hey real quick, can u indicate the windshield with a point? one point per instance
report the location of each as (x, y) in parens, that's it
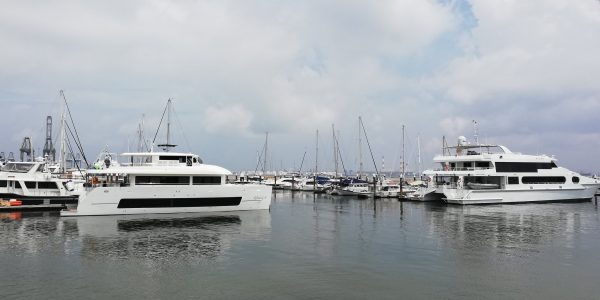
(18, 167)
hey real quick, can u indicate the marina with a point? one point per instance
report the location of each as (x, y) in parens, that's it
(300, 149)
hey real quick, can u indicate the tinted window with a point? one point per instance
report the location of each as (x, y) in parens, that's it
(3, 183)
(47, 185)
(575, 179)
(207, 180)
(162, 180)
(467, 164)
(544, 180)
(515, 167)
(513, 180)
(178, 202)
(177, 158)
(30, 184)
(17, 185)
(482, 164)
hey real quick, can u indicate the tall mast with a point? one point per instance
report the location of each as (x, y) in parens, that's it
(335, 156)
(317, 154)
(419, 162)
(360, 163)
(403, 173)
(266, 147)
(63, 134)
(168, 124)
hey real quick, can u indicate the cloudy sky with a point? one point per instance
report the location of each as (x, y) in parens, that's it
(527, 71)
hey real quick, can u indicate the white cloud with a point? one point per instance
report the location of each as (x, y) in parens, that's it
(228, 119)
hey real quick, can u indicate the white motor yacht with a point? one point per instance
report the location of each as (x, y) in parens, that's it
(166, 182)
(480, 174)
(34, 183)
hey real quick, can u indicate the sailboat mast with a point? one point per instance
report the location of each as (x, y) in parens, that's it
(317, 154)
(168, 125)
(335, 157)
(266, 149)
(403, 160)
(63, 134)
(360, 163)
(419, 154)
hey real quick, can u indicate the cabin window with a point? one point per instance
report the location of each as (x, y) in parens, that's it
(17, 185)
(30, 184)
(195, 160)
(575, 179)
(47, 185)
(207, 180)
(3, 183)
(543, 180)
(513, 180)
(467, 165)
(178, 202)
(181, 159)
(162, 180)
(523, 167)
(482, 164)
(452, 165)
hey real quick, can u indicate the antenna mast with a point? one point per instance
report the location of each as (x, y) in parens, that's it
(476, 130)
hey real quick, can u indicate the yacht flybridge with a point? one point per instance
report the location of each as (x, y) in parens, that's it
(480, 174)
(165, 182)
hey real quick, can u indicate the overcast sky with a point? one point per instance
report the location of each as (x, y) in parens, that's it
(527, 71)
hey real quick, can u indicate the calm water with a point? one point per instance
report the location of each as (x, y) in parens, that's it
(309, 247)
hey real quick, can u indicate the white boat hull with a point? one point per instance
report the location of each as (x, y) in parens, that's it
(210, 198)
(538, 194)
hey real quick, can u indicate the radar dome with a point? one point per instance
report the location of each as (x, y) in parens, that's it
(462, 141)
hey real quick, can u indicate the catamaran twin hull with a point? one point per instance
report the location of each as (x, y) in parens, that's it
(538, 194)
(171, 199)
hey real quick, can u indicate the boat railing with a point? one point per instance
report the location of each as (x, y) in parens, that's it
(465, 169)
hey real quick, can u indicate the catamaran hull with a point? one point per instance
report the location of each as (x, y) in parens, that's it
(171, 199)
(467, 197)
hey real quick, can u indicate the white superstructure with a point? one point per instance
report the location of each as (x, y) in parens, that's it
(166, 182)
(478, 174)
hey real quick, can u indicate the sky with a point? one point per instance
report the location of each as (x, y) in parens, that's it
(527, 71)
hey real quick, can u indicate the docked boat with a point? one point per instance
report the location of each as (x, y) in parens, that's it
(166, 182)
(34, 183)
(487, 173)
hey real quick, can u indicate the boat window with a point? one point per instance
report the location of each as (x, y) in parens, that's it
(513, 180)
(207, 180)
(516, 167)
(178, 202)
(482, 164)
(467, 164)
(3, 183)
(575, 179)
(162, 180)
(195, 160)
(17, 185)
(188, 161)
(30, 184)
(47, 185)
(18, 167)
(543, 179)
(181, 159)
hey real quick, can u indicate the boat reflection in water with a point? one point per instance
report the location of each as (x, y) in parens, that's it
(195, 236)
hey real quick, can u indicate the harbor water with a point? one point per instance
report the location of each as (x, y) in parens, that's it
(308, 247)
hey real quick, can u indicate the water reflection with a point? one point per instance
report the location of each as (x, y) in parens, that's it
(182, 237)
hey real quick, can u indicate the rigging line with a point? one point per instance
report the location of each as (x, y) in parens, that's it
(340, 154)
(369, 144)
(77, 140)
(259, 159)
(73, 156)
(187, 142)
(160, 123)
(78, 146)
(302, 163)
